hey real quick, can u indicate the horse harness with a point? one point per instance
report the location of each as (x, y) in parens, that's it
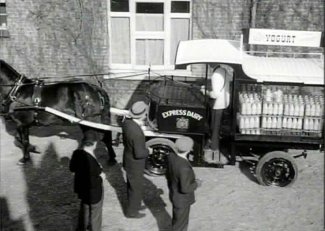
(12, 93)
(36, 97)
(82, 110)
(83, 107)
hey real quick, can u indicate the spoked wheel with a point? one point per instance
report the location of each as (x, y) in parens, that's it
(156, 163)
(276, 168)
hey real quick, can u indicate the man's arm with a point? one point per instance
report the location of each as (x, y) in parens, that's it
(187, 180)
(72, 164)
(139, 146)
(217, 83)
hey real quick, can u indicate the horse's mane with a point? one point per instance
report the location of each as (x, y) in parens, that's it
(11, 73)
(9, 69)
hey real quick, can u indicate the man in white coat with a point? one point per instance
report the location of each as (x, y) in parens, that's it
(220, 93)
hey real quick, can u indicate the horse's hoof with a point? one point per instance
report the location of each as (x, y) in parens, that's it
(33, 148)
(23, 161)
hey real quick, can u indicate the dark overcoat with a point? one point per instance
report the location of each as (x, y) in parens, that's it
(88, 183)
(135, 151)
(181, 181)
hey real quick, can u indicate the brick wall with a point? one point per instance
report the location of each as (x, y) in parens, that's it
(56, 38)
(305, 15)
(221, 19)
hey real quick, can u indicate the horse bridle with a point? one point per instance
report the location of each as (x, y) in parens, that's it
(11, 97)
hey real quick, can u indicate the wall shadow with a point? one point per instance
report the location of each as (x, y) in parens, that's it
(6, 223)
(52, 202)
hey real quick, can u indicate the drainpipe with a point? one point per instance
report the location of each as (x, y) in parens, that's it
(253, 18)
(253, 13)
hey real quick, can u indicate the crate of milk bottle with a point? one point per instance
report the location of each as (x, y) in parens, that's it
(280, 110)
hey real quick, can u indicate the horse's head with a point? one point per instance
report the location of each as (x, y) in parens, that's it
(9, 78)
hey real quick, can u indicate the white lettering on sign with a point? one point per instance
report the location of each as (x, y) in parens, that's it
(187, 113)
(284, 37)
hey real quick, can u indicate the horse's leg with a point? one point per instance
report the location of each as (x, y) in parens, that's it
(107, 139)
(24, 134)
(20, 135)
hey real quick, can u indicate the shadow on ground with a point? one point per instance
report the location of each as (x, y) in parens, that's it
(156, 205)
(52, 203)
(8, 224)
(152, 195)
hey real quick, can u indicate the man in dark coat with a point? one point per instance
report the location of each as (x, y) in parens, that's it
(181, 183)
(88, 184)
(134, 157)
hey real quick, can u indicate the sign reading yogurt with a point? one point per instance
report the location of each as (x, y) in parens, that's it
(285, 37)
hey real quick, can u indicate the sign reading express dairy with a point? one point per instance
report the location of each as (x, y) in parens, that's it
(181, 119)
(176, 112)
(285, 37)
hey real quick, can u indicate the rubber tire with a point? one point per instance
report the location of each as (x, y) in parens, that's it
(157, 141)
(275, 155)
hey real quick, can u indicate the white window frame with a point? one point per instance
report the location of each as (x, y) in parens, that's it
(164, 35)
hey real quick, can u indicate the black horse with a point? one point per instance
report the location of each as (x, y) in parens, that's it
(23, 100)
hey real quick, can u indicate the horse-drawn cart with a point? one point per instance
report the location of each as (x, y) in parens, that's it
(277, 103)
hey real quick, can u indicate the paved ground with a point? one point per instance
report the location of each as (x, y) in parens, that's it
(39, 195)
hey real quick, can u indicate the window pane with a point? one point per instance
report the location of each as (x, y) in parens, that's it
(150, 8)
(3, 21)
(2, 8)
(179, 31)
(180, 7)
(120, 46)
(150, 52)
(149, 22)
(120, 5)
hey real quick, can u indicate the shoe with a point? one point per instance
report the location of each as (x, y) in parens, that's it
(136, 215)
(219, 158)
(224, 160)
(23, 161)
(207, 155)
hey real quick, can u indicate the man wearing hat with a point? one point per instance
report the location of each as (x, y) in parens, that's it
(181, 183)
(88, 183)
(134, 157)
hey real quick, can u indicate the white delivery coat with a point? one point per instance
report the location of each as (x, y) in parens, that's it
(220, 81)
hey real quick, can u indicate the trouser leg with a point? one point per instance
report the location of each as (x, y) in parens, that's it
(180, 218)
(134, 191)
(96, 212)
(216, 121)
(83, 218)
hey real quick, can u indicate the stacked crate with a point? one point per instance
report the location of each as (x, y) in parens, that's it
(280, 110)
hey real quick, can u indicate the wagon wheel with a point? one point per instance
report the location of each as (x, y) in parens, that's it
(156, 162)
(276, 168)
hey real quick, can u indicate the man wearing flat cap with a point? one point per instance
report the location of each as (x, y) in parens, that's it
(134, 157)
(181, 183)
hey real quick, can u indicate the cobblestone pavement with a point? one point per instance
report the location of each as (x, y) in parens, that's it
(39, 196)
